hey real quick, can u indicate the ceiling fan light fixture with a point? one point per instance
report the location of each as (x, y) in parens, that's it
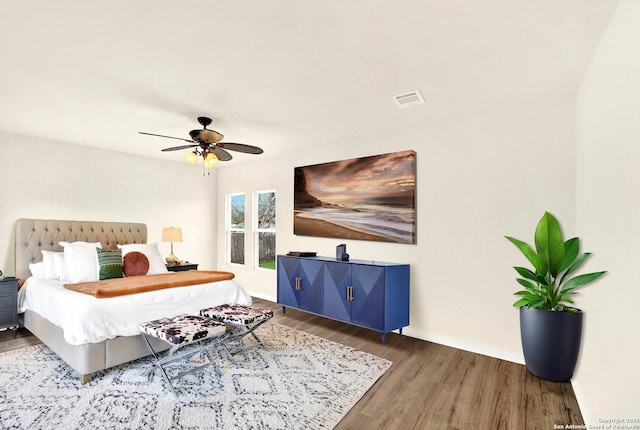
(191, 157)
(210, 160)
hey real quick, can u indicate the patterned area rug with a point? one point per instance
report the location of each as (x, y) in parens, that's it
(301, 382)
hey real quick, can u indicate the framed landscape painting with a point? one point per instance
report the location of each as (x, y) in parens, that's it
(367, 198)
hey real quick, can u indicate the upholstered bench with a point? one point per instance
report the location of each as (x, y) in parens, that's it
(181, 330)
(244, 320)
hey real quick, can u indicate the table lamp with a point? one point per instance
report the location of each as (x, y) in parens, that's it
(172, 234)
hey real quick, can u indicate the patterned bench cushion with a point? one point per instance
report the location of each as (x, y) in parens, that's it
(236, 314)
(183, 329)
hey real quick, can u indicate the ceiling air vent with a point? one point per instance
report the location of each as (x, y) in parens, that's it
(408, 99)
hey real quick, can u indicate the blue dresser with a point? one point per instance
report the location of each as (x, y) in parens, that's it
(368, 294)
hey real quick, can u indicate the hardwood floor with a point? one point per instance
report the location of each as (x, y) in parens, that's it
(429, 386)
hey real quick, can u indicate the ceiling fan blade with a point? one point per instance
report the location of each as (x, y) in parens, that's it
(240, 147)
(220, 153)
(168, 137)
(206, 136)
(176, 148)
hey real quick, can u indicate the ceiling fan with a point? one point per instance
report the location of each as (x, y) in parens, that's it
(205, 142)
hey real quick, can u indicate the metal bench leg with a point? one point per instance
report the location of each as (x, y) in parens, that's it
(158, 364)
(246, 330)
(169, 358)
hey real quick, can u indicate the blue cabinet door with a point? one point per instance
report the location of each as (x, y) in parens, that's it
(311, 291)
(288, 272)
(368, 296)
(337, 278)
(300, 283)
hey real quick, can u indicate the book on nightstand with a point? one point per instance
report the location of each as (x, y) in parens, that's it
(302, 254)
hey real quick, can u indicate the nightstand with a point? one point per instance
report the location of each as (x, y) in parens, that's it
(9, 304)
(183, 267)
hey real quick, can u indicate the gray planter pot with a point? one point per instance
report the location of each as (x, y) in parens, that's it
(550, 342)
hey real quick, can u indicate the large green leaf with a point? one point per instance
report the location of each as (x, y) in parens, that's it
(520, 303)
(540, 304)
(549, 243)
(526, 283)
(526, 273)
(574, 266)
(530, 254)
(566, 298)
(580, 280)
(528, 295)
(571, 249)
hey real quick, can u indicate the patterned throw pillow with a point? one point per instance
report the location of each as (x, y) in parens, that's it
(109, 263)
(135, 264)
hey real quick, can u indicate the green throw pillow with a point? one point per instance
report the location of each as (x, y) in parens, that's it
(110, 263)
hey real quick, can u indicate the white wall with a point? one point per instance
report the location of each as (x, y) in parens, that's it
(478, 179)
(608, 218)
(47, 179)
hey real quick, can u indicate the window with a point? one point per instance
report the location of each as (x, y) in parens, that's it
(235, 228)
(265, 230)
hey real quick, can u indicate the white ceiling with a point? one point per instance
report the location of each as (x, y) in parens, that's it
(279, 74)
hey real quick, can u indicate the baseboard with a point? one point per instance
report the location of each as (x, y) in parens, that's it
(466, 346)
(442, 340)
(264, 297)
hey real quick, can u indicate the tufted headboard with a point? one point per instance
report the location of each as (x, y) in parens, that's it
(34, 235)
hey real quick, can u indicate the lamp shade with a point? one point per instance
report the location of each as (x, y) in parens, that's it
(172, 234)
(210, 160)
(191, 157)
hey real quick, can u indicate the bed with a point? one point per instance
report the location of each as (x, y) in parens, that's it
(45, 306)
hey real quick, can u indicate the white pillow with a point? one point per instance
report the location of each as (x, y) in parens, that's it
(81, 261)
(37, 269)
(49, 265)
(60, 267)
(151, 251)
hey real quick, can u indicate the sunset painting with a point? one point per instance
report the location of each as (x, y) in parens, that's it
(367, 198)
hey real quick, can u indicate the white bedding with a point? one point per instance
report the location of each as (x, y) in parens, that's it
(86, 319)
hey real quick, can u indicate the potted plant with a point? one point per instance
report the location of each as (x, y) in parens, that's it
(550, 327)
